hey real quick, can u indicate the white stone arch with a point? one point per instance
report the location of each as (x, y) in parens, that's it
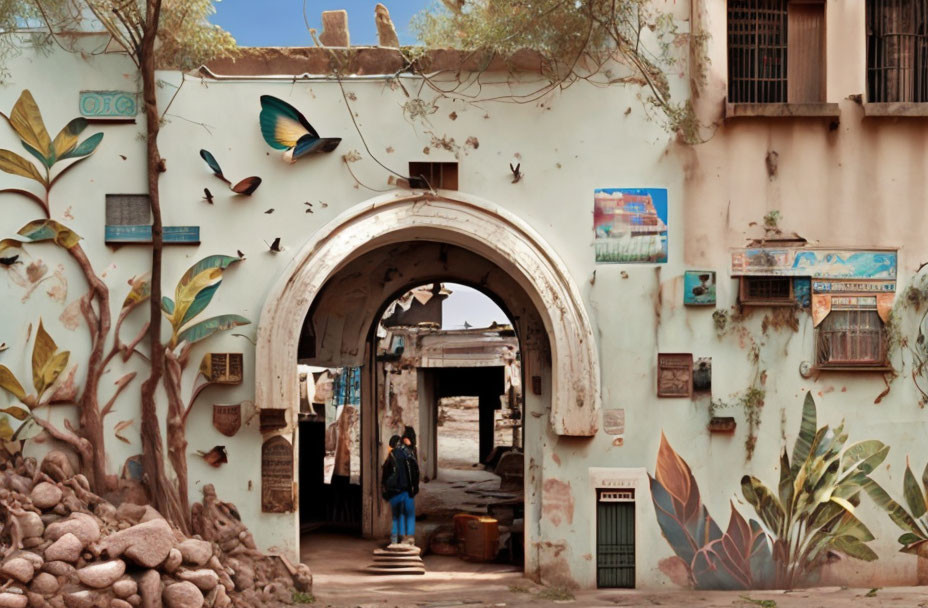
(454, 218)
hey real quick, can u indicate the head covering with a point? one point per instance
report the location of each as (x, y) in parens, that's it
(395, 440)
(410, 434)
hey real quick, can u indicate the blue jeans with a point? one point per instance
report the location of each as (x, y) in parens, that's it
(404, 516)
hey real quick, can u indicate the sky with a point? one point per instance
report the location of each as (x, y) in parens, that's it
(280, 22)
(468, 304)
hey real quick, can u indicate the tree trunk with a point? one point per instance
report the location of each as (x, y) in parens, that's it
(177, 433)
(163, 493)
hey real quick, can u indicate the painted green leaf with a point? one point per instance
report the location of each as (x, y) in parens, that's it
(914, 497)
(198, 277)
(47, 161)
(43, 230)
(925, 482)
(852, 547)
(807, 434)
(87, 147)
(764, 502)
(167, 306)
(20, 412)
(9, 383)
(11, 162)
(42, 352)
(26, 120)
(205, 329)
(66, 140)
(895, 511)
(785, 487)
(200, 302)
(908, 538)
(865, 456)
(30, 429)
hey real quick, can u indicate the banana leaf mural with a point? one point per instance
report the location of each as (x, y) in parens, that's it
(192, 295)
(913, 518)
(17, 422)
(811, 512)
(26, 121)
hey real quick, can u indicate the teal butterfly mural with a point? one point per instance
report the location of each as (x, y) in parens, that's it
(246, 187)
(285, 128)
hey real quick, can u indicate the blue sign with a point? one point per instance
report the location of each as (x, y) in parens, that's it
(172, 235)
(109, 104)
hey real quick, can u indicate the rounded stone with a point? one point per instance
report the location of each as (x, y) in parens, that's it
(81, 525)
(44, 583)
(45, 495)
(204, 579)
(196, 552)
(58, 568)
(31, 524)
(19, 569)
(172, 563)
(13, 600)
(102, 574)
(118, 603)
(125, 587)
(149, 589)
(66, 549)
(183, 595)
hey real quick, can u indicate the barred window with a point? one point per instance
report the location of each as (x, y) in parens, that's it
(776, 51)
(851, 338)
(766, 291)
(897, 50)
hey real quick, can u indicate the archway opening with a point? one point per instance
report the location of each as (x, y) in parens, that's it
(337, 286)
(451, 365)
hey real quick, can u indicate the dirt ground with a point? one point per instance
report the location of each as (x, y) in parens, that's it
(337, 563)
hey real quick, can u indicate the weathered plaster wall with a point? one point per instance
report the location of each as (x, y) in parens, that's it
(563, 155)
(861, 184)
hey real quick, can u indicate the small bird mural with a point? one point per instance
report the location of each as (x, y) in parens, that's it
(285, 128)
(246, 187)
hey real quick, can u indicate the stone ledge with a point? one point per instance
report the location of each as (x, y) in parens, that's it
(898, 109)
(254, 61)
(782, 110)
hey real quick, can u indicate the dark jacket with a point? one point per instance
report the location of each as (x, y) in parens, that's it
(400, 473)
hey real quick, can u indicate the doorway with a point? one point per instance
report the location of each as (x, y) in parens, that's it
(449, 368)
(335, 287)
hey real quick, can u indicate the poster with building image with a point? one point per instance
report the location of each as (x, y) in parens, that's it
(630, 225)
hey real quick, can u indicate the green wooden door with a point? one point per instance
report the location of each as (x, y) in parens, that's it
(615, 539)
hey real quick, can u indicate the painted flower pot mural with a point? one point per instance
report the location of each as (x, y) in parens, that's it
(811, 513)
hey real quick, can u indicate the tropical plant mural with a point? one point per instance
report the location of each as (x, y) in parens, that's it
(26, 121)
(811, 512)
(193, 293)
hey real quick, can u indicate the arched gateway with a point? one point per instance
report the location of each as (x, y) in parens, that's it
(564, 381)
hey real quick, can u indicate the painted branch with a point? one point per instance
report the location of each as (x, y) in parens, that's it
(91, 422)
(120, 385)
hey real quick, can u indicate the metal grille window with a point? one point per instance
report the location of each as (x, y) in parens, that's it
(897, 50)
(776, 51)
(851, 338)
(757, 31)
(766, 291)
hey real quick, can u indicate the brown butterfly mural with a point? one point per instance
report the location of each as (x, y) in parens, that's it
(245, 187)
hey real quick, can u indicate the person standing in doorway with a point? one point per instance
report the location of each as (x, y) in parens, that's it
(400, 483)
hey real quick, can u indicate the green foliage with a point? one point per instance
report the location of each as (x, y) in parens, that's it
(810, 512)
(603, 41)
(913, 518)
(556, 594)
(301, 597)
(761, 603)
(186, 39)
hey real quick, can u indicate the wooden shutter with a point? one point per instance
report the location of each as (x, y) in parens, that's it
(806, 47)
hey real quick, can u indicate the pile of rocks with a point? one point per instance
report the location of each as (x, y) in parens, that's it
(64, 547)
